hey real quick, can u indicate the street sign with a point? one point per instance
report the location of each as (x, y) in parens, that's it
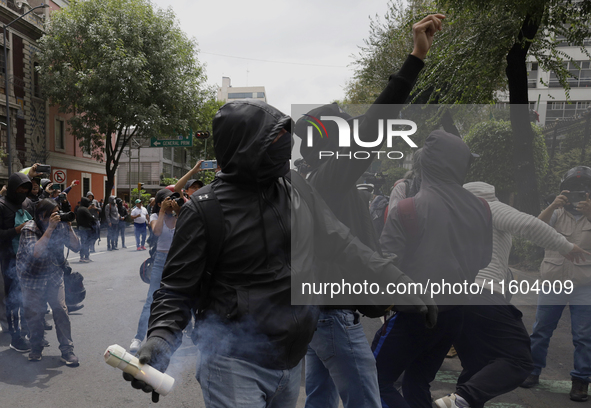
(178, 142)
(171, 142)
(59, 176)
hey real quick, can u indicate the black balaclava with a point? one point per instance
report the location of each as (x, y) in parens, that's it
(14, 182)
(275, 162)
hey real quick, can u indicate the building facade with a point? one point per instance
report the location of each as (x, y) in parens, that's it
(229, 93)
(39, 131)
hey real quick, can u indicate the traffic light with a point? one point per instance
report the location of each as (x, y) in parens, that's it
(202, 134)
(139, 187)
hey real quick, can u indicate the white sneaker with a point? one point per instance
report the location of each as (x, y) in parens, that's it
(135, 346)
(449, 401)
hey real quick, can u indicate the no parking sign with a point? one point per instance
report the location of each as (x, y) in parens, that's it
(59, 176)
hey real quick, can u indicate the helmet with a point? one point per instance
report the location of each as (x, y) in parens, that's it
(577, 179)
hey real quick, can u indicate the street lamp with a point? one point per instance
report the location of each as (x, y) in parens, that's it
(6, 83)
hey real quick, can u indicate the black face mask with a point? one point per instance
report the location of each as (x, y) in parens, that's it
(276, 159)
(20, 197)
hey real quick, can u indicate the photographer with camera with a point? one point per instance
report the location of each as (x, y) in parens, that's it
(40, 270)
(570, 215)
(163, 223)
(85, 221)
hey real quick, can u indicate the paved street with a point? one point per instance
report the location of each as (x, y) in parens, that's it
(115, 295)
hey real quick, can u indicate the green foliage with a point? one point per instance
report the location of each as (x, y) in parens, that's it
(123, 69)
(493, 141)
(206, 176)
(168, 181)
(145, 197)
(467, 61)
(526, 255)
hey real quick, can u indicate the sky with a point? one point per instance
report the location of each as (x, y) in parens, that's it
(311, 43)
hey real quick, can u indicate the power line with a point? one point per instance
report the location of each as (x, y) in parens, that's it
(275, 62)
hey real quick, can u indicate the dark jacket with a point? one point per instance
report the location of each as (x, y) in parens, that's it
(83, 216)
(9, 204)
(250, 295)
(454, 238)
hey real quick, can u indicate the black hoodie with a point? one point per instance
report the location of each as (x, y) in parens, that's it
(83, 216)
(250, 296)
(455, 228)
(9, 204)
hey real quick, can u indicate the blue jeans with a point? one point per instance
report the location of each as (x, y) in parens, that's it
(112, 235)
(339, 362)
(140, 230)
(85, 236)
(228, 382)
(548, 314)
(155, 278)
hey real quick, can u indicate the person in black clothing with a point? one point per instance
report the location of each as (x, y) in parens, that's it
(122, 221)
(251, 336)
(450, 241)
(350, 372)
(19, 187)
(85, 221)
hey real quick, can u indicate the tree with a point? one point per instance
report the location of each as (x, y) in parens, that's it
(122, 69)
(483, 50)
(495, 167)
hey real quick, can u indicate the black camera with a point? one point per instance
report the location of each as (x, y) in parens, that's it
(44, 168)
(177, 197)
(66, 216)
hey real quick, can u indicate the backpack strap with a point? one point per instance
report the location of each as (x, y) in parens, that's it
(407, 215)
(487, 207)
(213, 219)
(302, 187)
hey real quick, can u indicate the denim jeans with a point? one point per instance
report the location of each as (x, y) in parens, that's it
(122, 226)
(339, 362)
(548, 314)
(228, 382)
(112, 235)
(35, 303)
(140, 230)
(155, 278)
(85, 237)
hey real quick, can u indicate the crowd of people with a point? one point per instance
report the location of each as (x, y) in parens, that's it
(230, 256)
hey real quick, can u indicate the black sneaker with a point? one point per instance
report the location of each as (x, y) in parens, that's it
(579, 390)
(45, 343)
(35, 356)
(47, 326)
(70, 359)
(531, 381)
(73, 308)
(21, 345)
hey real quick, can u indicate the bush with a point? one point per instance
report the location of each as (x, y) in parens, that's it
(493, 141)
(526, 255)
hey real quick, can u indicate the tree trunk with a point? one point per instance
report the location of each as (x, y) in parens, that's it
(527, 198)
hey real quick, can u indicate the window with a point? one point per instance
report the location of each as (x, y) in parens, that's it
(167, 153)
(85, 185)
(36, 86)
(260, 94)
(532, 79)
(580, 75)
(60, 138)
(561, 110)
(240, 95)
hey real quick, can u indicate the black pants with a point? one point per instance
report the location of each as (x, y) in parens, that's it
(404, 344)
(14, 300)
(494, 348)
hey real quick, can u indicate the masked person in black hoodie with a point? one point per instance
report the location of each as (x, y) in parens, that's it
(19, 186)
(339, 361)
(451, 240)
(252, 338)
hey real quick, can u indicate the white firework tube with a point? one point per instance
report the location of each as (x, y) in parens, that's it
(117, 356)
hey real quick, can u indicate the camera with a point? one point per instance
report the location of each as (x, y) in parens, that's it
(177, 197)
(209, 165)
(44, 168)
(575, 196)
(66, 216)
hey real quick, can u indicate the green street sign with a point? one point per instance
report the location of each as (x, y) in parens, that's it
(171, 142)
